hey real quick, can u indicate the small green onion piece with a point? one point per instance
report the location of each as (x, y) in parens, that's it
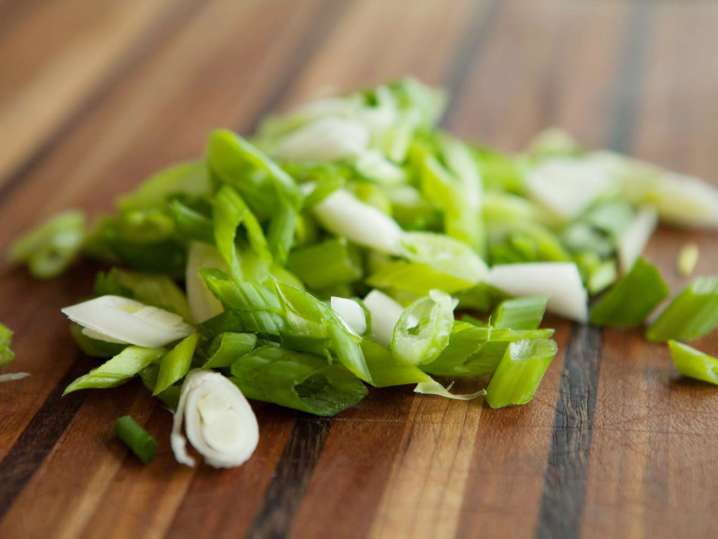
(140, 442)
(520, 313)
(301, 381)
(424, 328)
(51, 247)
(6, 353)
(176, 363)
(386, 370)
(117, 370)
(632, 298)
(687, 259)
(691, 315)
(227, 347)
(329, 263)
(520, 372)
(170, 396)
(694, 363)
(189, 178)
(94, 347)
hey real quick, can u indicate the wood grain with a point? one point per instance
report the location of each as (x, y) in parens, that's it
(96, 95)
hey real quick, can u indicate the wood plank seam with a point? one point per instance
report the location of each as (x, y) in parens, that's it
(158, 33)
(564, 492)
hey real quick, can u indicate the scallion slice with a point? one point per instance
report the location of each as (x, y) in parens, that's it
(140, 442)
(691, 315)
(694, 363)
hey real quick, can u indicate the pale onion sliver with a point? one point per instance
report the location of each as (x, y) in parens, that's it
(350, 313)
(128, 321)
(325, 139)
(385, 313)
(435, 388)
(345, 215)
(202, 303)
(634, 239)
(559, 281)
(217, 419)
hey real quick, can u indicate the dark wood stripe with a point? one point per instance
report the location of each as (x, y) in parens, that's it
(468, 56)
(40, 436)
(565, 480)
(291, 477)
(566, 474)
(166, 25)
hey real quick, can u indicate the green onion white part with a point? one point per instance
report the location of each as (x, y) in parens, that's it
(202, 303)
(117, 319)
(217, 420)
(635, 237)
(345, 215)
(559, 281)
(385, 313)
(350, 313)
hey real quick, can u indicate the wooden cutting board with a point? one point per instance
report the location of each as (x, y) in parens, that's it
(94, 95)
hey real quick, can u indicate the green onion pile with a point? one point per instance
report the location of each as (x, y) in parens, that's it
(352, 244)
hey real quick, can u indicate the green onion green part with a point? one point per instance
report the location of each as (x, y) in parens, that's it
(6, 353)
(694, 363)
(687, 259)
(629, 302)
(176, 363)
(691, 315)
(520, 372)
(140, 442)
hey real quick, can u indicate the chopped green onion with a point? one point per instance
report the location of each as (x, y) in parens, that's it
(345, 215)
(386, 370)
(694, 363)
(94, 347)
(117, 370)
(156, 290)
(227, 347)
(520, 313)
(185, 178)
(6, 353)
(329, 263)
(350, 313)
(300, 381)
(140, 442)
(560, 281)
(121, 320)
(691, 315)
(175, 363)
(50, 248)
(520, 372)
(424, 328)
(632, 298)
(385, 313)
(634, 238)
(435, 388)
(687, 259)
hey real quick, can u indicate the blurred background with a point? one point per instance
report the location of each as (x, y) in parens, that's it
(141, 82)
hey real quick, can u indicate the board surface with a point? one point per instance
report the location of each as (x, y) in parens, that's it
(95, 95)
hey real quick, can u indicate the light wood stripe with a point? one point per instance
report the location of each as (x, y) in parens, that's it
(92, 37)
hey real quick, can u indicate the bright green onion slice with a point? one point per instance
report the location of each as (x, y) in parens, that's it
(117, 370)
(301, 381)
(691, 315)
(329, 263)
(520, 313)
(424, 328)
(694, 363)
(227, 347)
(386, 370)
(632, 298)
(176, 363)
(140, 442)
(520, 372)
